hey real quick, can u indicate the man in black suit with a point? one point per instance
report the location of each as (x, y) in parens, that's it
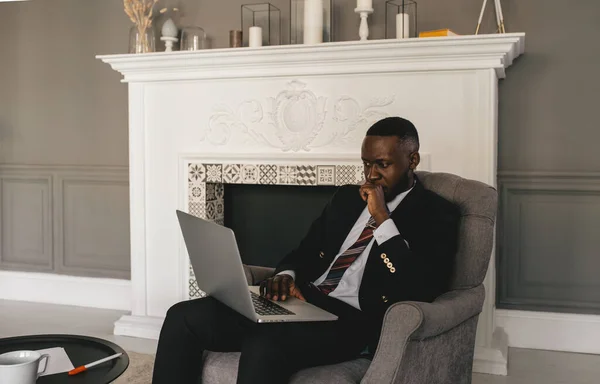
(385, 241)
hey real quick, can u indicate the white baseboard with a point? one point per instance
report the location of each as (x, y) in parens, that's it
(66, 290)
(551, 331)
(144, 327)
(490, 361)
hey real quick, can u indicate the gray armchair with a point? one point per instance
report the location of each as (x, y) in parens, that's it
(421, 343)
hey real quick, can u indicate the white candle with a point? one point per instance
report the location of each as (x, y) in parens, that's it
(402, 26)
(313, 21)
(255, 37)
(364, 4)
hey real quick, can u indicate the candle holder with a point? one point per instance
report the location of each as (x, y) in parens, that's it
(363, 30)
(297, 25)
(401, 19)
(267, 17)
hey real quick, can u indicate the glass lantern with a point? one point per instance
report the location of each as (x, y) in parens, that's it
(192, 39)
(401, 19)
(297, 26)
(265, 16)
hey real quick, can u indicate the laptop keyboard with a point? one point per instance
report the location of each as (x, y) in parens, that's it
(264, 307)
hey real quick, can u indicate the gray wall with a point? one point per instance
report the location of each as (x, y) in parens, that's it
(60, 106)
(63, 139)
(549, 248)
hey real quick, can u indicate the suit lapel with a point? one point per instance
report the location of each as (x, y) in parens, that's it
(350, 210)
(406, 210)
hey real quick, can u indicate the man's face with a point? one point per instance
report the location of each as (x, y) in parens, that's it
(387, 162)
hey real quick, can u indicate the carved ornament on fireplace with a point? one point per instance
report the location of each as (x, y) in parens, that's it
(295, 120)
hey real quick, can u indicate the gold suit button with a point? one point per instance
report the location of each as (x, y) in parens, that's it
(390, 265)
(393, 270)
(383, 255)
(386, 260)
(384, 298)
(321, 254)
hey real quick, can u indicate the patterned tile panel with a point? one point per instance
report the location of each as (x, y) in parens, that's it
(326, 175)
(211, 210)
(232, 173)
(194, 291)
(268, 174)
(197, 192)
(307, 175)
(287, 175)
(219, 191)
(345, 174)
(250, 174)
(214, 173)
(198, 210)
(196, 173)
(211, 192)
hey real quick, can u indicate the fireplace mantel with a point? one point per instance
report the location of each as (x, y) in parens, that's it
(295, 115)
(432, 54)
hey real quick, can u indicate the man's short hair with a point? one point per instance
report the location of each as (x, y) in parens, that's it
(403, 129)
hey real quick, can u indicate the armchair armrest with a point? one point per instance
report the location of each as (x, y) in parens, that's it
(448, 311)
(256, 274)
(410, 320)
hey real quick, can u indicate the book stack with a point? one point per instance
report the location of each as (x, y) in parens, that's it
(438, 33)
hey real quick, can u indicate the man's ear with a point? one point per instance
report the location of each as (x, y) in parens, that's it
(415, 159)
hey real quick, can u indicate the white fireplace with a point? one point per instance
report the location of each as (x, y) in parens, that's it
(294, 115)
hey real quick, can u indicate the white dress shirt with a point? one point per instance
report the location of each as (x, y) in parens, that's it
(347, 289)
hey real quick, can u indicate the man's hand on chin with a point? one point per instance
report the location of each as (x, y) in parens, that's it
(375, 198)
(279, 288)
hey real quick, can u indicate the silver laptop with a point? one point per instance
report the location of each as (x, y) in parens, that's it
(219, 272)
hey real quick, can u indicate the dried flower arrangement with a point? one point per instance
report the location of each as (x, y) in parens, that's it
(140, 12)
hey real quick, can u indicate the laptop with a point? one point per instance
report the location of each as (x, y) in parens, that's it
(219, 271)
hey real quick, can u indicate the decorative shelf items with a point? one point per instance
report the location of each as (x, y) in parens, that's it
(261, 25)
(193, 38)
(141, 34)
(311, 21)
(401, 19)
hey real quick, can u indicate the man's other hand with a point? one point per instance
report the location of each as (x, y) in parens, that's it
(280, 287)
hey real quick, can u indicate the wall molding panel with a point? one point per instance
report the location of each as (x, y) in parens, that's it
(62, 225)
(26, 222)
(543, 216)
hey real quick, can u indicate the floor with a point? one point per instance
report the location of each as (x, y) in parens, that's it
(525, 366)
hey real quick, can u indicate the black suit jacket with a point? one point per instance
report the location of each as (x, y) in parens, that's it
(421, 271)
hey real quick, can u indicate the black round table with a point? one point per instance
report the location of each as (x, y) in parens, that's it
(81, 350)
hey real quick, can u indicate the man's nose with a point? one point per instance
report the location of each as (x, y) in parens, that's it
(372, 174)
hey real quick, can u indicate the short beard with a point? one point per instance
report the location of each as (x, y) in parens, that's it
(403, 185)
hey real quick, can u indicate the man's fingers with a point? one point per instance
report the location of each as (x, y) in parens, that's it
(275, 287)
(364, 192)
(285, 287)
(299, 294)
(269, 288)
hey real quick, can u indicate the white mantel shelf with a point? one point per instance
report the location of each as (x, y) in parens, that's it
(473, 52)
(295, 113)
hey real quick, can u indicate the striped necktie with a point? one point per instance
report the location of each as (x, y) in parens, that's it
(347, 258)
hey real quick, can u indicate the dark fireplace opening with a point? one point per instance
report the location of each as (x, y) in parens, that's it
(270, 220)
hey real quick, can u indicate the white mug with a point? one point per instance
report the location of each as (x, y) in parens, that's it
(21, 367)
